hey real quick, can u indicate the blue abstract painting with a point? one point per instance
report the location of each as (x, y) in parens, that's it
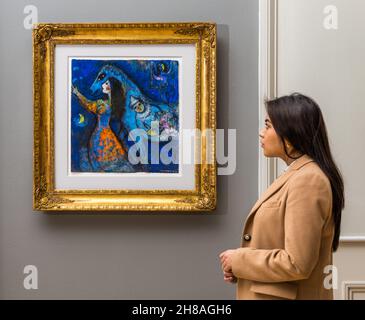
(110, 99)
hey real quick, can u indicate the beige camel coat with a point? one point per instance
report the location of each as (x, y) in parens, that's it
(287, 238)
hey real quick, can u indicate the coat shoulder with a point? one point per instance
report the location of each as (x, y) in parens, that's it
(311, 179)
(311, 173)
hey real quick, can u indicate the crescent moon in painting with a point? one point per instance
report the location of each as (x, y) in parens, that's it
(81, 119)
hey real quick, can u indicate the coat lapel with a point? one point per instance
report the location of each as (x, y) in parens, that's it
(279, 182)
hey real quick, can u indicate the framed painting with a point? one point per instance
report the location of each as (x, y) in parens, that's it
(124, 117)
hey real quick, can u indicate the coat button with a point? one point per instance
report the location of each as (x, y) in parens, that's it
(247, 237)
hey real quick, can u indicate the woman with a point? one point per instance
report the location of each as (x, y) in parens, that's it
(290, 234)
(106, 152)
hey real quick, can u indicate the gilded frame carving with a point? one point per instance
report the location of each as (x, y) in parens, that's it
(45, 38)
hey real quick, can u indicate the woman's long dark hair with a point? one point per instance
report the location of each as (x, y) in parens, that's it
(117, 99)
(298, 119)
(118, 106)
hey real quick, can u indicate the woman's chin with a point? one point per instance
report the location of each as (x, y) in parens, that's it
(267, 154)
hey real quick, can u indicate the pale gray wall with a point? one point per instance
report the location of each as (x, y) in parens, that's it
(126, 255)
(329, 66)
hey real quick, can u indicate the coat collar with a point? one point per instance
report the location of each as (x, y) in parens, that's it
(280, 181)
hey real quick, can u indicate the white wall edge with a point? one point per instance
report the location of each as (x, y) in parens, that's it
(268, 13)
(352, 238)
(349, 287)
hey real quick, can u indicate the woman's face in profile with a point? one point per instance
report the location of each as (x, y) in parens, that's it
(106, 87)
(270, 141)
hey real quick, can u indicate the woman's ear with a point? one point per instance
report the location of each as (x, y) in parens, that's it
(288, 145)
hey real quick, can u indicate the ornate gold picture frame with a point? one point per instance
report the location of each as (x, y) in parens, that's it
(160, 56)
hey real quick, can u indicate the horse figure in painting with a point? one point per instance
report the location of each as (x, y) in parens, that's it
(139, 111)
